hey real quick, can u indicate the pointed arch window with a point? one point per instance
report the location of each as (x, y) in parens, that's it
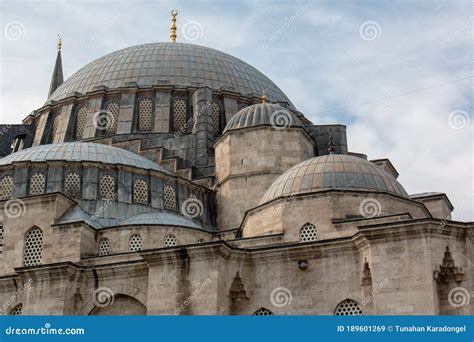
(140, 191)
(169, 198)
(136, 243)
(112, 118)
(17, 310)
(104, 246)
(308, 233)
(6, 187)
(263, 312)
(72, 185)
(107, 187)
(145, 115)
(81, 118)
(37, 184)
(348, 307)
(1, 239)
(170, 240)
(33, 247)
(179, 115)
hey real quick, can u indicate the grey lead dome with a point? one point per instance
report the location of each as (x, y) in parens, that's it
(177, 64)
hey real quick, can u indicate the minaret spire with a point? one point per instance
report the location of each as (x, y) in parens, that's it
(57, 78)
(173, 35)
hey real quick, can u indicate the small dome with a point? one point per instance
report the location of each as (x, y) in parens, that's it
(337, 171)
(263, 114)
(81, 151)
(162, 218)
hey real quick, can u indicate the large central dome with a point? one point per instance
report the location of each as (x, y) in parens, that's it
(177, 64)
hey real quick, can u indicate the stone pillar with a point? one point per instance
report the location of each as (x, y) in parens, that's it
(125, 118)
(162, 112)
(55, 177)
(90, 182)
(230, 107)
(95, 105)
(203, 128)
(65, 126)
(20, 181)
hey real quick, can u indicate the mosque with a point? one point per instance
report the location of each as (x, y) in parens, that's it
(174, 179)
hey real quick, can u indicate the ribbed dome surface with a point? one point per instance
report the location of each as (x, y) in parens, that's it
(81, 151)
(341, 172)
(177, 64)
(263, 114)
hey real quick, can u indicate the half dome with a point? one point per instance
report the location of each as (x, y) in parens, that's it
(82, 151)
(162, 218)
(336, 171)
(177, 64)
(263, 114)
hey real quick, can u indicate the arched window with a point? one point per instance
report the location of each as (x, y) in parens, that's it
(104, 246)
(170, 241)
(56, 120)
(308, 233)
(112, 118)
(1, 239)
(81, 118)
(33, 247)
(72, 185)
(216, 116)
(37, 184)
(140, 191)
(179, 115)
(6, 187)
(17, 310)
(136, 243)
(262, 312)
(348, 307)
(145, 114)
(169, 198)
(107, 187)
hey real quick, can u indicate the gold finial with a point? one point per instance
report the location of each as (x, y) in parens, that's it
(264, 97)
(60, 44)
(174, 13)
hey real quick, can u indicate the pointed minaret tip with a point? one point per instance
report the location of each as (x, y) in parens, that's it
(173, 35)
(57, 77)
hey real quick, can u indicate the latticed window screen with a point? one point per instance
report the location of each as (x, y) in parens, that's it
(55, 126)
(169, 199)
(17, 310)
(170, 240)
(263, 312)
(37, 184)
(140, 191)
(308, 233)
(1, 239)
(6, 186)
(348, 307)
(33, 247)
(72, 185)
(145, 114)
(136, 243)
(216, 116)
(104, 246)
(81, 122)
(179, 115)
(107, 187)
(112, 118)
(201, 241)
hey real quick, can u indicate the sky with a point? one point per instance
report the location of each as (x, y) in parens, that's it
(398, 74)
